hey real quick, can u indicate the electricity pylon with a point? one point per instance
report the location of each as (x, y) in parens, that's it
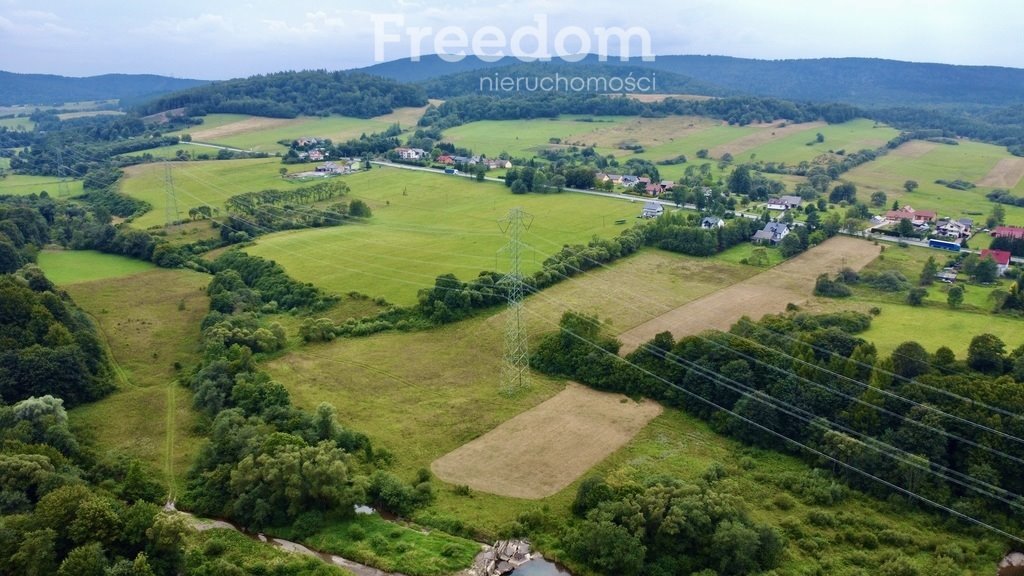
(515, 369)
(170, 199)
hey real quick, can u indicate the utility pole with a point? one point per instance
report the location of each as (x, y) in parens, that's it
(170, 199)
(515, 369)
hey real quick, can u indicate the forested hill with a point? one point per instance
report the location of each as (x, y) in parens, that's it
(290, 94)
(859, 81)
(595, 76)
(54, 90)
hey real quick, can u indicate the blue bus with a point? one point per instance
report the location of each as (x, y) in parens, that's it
(944, 245)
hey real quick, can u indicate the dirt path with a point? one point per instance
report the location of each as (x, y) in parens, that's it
(1005, 174)
(766, 293)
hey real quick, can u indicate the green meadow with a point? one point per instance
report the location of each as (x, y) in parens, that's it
(22, 185)
(849, 136)
(926, 162)
(201, 183)
(72, 266)
(526, 138)
(22, 122)
(426, 224)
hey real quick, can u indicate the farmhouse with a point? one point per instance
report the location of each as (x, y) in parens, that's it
(784, 202)
(329, 168)
(711, 222)
(628, 180)
(445, 159)
(316, 155)
(953, 228)
(496, 164)
(652, 210)
(1015, 232)
(667, 185)
(772, 233)
(652, 190)
(1001, 257)
(908, 213)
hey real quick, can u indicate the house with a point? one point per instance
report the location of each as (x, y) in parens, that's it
(667, 185)
(305, 141)
(1001, 257)
(784, 202)
(496, 164)
(445, 159)
(1014, 232)
(711, 222)
(652, 189)
(652, 210)
(629, 180)
(908, 213)
(953, 229)
(948, 275)
(329, 168)
(644, 180)
(411, 153)
(316, 155)
(772, 233)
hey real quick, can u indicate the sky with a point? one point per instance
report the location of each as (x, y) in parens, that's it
(213, 39)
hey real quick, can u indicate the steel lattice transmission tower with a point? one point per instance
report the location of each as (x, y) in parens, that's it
(170, 199)
(515, 369)
(62, 173)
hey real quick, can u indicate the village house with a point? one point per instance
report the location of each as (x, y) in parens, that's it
(1001, 257)
(667, 185)
(916, 217)
(784, 202)
(305, 141)
(652, 210)
(652, 190)
(315, 155)
(954, 228)
(629, 180)
(445, 159)
(772, 233)
(1015, 232)
(711, 222)
(411, 153)
(497, 164)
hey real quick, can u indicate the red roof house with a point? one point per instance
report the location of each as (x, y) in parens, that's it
(1009, 232)
(1001, 257)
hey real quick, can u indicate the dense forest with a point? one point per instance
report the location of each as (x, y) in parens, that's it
(290, 94)
(49, 89)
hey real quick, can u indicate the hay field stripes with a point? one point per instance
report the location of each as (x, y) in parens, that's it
(766, 293)
(1007, 173)
(765, 133)
(539, 452)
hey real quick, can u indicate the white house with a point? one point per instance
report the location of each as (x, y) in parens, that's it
(411, 153)
(711, 222)
(773, 233)
(784, 202)
(652, 210)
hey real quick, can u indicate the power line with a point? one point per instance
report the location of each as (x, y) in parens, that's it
(515, 368)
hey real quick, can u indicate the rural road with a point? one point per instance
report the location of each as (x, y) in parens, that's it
(766, 293)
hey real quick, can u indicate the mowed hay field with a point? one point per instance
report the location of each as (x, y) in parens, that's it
(766, 293)
(925, 162)
(150, 321)
(427, 224)
(541, 451)
(65, 267)
(261, 134)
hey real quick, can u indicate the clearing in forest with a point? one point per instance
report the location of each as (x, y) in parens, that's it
(541, 451)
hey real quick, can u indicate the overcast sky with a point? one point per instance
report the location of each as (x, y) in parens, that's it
(213, 39)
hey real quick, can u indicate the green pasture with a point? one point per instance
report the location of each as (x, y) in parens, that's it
(525, 138)
(202, 183)
(211, 121)
(849, 136)
(427, 224)
(150, 323)
(22, 185)
(969, 161)
(21, 122)
(72, 266)
(936, 325)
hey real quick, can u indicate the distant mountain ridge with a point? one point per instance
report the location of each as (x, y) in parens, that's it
(859, 81)
(50, 89)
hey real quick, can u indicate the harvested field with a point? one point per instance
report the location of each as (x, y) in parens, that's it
(766, 293)
(543, 450)
(254, 124)
(640, 97)
(1005, 174)
(765, 134)
(914, 149)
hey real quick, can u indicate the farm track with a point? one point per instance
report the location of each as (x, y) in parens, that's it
(766, 293)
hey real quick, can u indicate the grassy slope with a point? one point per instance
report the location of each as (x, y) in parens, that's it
(73, 266)
(141, 320)
(427, 224)
(969, 161)
(850, 136)
(15, 123)
(244, 552)
(199, 183)
(20, 185)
